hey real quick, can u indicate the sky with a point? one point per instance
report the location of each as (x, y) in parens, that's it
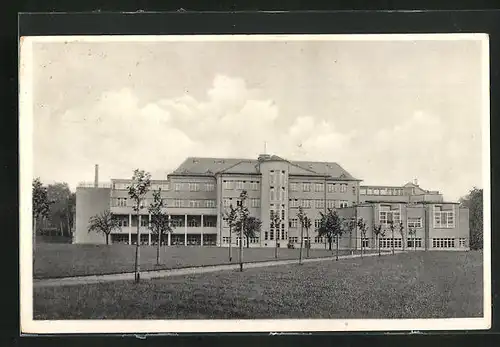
(388, 111)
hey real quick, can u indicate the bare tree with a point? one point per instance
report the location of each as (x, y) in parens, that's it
(377, 230)
(391, 226)
(363, 229)
(160, 221)
(275, 224)
(242, 217)
(231, 218)
(104, 223)
(141, 181)
(402, 232)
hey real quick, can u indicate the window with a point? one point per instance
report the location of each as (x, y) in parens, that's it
(144, 221)
(225, 239)
(306, 203)
(293, 239)
(282, 235)
(362, 191)
(306, 187)
(318, 239)
(121, 202)
(320, 203)
(194, 187)
(255, 202)
(226, 202)
(254, 240)
(332, 187)
(266, 235)
(178, 187)
(282, 214)
(317, 223)
(369, 191)
(122, 221)
(461, 242)
(292, 223)
(271, 235)
(294, 203)
(254, 185)
(177, 222)
(365, 242)
(414, 242)
(210, 203)
(443, 243)
(240, 185)
(443, 219)
(318, 187)
(209, 187)
(294, 187)
(343, 204)
(228, 184)
(177, 203)
(209, 223)
(353, 190)
(343, 188)
(414, 222)
(272, 194)
(386, 216)
(192, 222)
(330, 203)
(390, 243)
(165, 186)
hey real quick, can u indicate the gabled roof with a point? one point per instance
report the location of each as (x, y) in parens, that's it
(211, 166)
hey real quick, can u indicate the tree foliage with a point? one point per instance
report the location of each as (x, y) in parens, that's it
(105, 223)
(41, 202)
(160, 222)
(474, 202)
(330, 226)
(63, 202)
(251, 225)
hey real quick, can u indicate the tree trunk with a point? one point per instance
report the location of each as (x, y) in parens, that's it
(61, 226)
(337, 253)
(241, 248)
(392, 241)
(362, 246)
(308, 243)
(248, 242)
(378, 242)
(34, 242)
(230, 244)
(158, 249)
(107, 239)
(329, 244)
(301, 243)
(403, 242)
(137, 251)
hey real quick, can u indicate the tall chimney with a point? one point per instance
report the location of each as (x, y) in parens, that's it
(96, 176)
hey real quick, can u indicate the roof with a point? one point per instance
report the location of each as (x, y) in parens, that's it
(197, 166)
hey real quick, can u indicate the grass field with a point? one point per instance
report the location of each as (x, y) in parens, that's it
(61, 260)
(408, 285)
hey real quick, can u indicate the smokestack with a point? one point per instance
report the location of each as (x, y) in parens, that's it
(96, 176)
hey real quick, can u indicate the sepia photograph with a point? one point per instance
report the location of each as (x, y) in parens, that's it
(254, 183)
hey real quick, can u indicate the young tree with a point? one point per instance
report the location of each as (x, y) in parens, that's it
(307, 226)
(160, 221)
(243, 213)
(412, 233)
(61, 207)
(275, 224)
(377, 231)
(331, 227)
(474, 202)
(350, 226)
(402, 232)
(231, 218)
(105, 223)
(141, 181)
(251, 227)
(301, 216)
(392, 227)
(362, 229)
(41, 205)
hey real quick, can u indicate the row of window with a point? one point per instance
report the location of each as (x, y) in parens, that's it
(320, 187)
(192, 186)
(252, 202)
(123, 221)
(317, 203)
(269, 235)
(381, 191)
(241, 185)
(447, 242)
(192, 203)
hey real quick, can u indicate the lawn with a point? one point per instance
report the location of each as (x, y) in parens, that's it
(61, 260)
(407, 285)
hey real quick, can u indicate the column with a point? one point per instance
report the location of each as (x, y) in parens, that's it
(149, 231)
(169, 223)
(129, 228)
(185, 230)
(201, 236)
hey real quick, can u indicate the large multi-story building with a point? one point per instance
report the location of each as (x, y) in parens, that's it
(200, 191)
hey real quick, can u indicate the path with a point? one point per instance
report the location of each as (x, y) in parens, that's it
(79, 280)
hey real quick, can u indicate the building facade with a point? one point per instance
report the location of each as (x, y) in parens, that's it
(199, 193)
